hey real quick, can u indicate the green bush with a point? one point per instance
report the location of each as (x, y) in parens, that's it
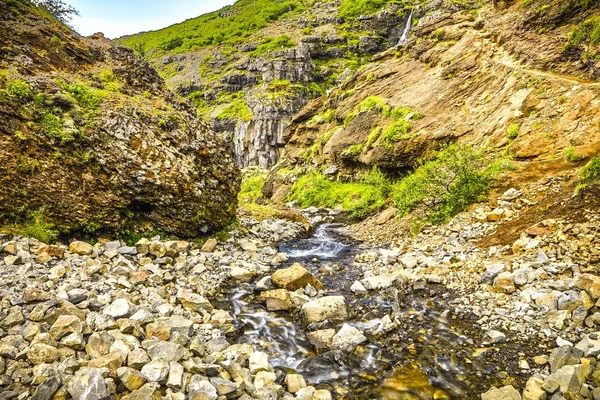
(18, 88)
(36, 226)
(591, 172)
(359, 198)
(513, 131)
(86, 96)
(251, 188)
(457, 177)
(587, 31)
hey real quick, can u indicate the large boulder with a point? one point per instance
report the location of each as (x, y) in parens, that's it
(112, 149)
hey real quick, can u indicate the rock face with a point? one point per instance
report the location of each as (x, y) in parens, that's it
(322, 47)
(449, 49)
(96, 141)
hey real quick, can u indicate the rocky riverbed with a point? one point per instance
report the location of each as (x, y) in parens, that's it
(274, 312)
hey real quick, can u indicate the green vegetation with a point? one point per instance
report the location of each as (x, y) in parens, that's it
(53, 128)
(86, 97)
(354, 8)
(17, 88)
(231, 25)
(324, 117)
(457, 177)
(513, 131)
(236, 110)
(277, 43)
(359, 199)
(396, 131)
(587, 31)
(34, 225)
(373, 103)
(373, 136)
(251, 189)
(591, 172)
(352, 151)
(572, 155)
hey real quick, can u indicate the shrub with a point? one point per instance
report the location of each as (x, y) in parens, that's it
(457, 177)
(572, 156)
(396, 131)
(358, 198)
(354, 8)
(588, 30)
(36, 226)
(86, 96)
(251, 188)
(513, 131)
(591, 172)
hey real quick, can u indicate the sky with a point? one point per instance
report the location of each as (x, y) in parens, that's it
(116, 18)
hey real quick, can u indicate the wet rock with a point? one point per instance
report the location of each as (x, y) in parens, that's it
(503, 393)
(294, 278)
(495, 336)
(325, 308)
(347, 338)
(277, 300)
(358, 288)
(321, 339)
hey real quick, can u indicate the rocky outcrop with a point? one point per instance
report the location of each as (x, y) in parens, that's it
(91, 137)
(461, 78)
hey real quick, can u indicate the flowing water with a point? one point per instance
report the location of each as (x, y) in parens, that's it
(426, 357)
(407, 29)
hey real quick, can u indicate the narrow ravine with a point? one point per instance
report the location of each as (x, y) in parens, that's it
(413, 347)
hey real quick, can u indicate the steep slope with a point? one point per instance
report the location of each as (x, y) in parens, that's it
(250, 67)
(494, 80)
(91, 138)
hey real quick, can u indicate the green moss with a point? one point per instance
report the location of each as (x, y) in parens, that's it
(352, 151)
(86, 97)
(34, 225)
(324, 117)
(587, 31)
(396, 131)
(354, 8)
(349, 118)
(236, 110)
(373, 103)
(374, 136)
(591, 172)
(251, 188)
(15, 88)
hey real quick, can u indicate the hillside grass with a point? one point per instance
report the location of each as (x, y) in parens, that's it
(230, 25)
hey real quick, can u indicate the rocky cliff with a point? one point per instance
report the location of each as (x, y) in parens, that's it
(251, 84)
(91, 138)
(516, 78)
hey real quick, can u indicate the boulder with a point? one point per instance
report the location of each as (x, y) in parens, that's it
(294, 278)
(277, 300)
(81, 248)
(504, 393)
(88, 384)
(325, 308)
(347, 339)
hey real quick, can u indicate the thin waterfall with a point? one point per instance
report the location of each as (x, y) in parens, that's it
(406, 32)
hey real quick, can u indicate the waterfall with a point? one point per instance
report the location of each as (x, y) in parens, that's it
(406, 32)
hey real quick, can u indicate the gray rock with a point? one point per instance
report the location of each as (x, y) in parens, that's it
(155, 371)
(325, 308)
(347, 339)
(88, 384)
(503, 393)
(167, 351)
(492, 272)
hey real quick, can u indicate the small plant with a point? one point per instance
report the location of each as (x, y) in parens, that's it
(28, 165)
(58, 42)
(277, 43)
(572, 156)
(86, 97)
(324, 117)
(35, 225)
(349, 118)
(373, 103)
(251, 188)
(513, 131)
